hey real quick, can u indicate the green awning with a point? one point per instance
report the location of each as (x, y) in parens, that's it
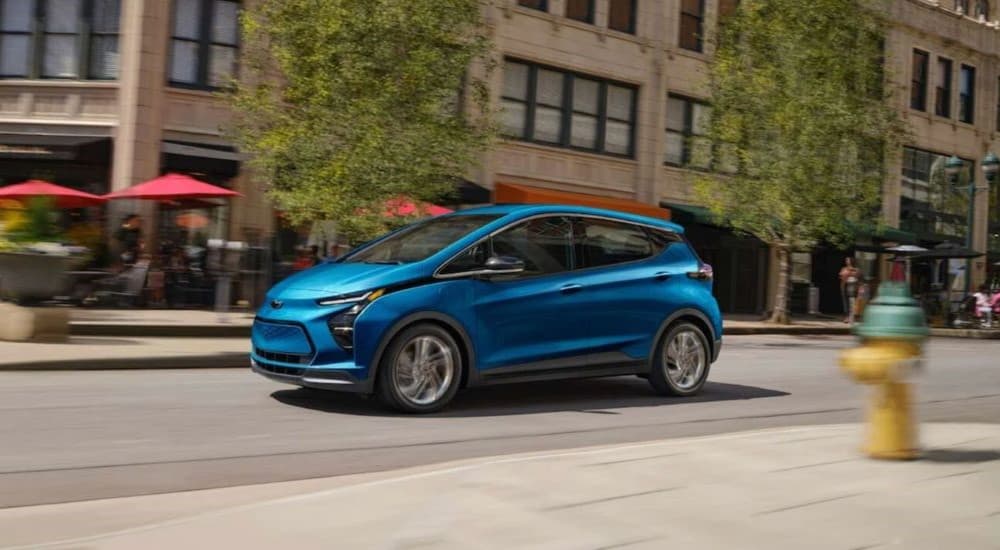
(687, 213)
(885, 233)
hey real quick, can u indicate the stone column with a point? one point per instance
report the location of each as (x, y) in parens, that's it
(142, 73)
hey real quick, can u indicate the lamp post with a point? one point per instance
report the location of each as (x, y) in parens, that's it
(952, 168)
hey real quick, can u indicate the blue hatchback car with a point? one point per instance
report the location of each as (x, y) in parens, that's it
(498, 294)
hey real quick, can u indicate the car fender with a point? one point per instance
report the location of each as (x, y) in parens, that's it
(714, 340)
(435, 316)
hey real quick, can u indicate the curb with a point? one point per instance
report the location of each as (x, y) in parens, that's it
(216, 361)
(789, 330)
(160, 331)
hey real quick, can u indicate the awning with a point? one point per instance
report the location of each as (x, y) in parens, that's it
(55, 147)
(688, 213)
(885, 233)
(507, 193)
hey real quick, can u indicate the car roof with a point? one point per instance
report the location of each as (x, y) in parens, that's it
(525, 210)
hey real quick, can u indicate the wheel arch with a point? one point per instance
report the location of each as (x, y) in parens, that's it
(445, 322)
(695, 317)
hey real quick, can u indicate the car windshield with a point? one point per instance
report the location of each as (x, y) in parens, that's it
(421, 240)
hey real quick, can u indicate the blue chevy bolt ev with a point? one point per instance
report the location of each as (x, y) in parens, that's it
(497, 294)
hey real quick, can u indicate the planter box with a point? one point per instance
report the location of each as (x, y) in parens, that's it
(28, 278)
(23, 324)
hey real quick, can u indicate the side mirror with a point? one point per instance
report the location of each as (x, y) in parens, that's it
(503, 265)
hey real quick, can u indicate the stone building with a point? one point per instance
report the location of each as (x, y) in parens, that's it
(607, 97)
(601, 98)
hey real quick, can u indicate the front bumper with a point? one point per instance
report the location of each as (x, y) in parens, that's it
(318, 378)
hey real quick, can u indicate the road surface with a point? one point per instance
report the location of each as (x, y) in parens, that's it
(71, 436)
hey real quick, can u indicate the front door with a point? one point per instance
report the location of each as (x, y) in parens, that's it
(532, 316)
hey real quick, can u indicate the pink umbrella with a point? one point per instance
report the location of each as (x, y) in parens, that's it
(64, 197)
(402, 207)
(173, 187)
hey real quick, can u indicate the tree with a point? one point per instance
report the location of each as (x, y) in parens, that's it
(344, 105)
(800, 107)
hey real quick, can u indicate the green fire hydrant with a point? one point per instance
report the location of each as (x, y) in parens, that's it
(892, 334)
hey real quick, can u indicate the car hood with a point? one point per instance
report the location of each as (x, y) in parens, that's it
(347, 278)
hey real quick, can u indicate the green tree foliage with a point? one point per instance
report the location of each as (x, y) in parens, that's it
(799, 102)
(345, 104)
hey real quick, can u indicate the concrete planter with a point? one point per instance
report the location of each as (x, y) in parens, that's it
(27, 278)
(38, 324)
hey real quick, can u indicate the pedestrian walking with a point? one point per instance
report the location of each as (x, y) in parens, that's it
(848, 288)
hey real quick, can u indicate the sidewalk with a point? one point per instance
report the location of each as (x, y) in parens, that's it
(98, 353)
(788, 488)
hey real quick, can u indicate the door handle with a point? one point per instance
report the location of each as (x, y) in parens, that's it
(661, 276)
(570, 289)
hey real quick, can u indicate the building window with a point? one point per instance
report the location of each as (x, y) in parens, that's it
(621, 15)
(727, 8)
(205, 43)
(564, 109)
(580, 10)
(918, 81)
(967, 94)
(982, 9)
(962, 6)
(942, 98)
(72, 39)
(541, 5)
(687, 124)
(692, 24)
(929, 203)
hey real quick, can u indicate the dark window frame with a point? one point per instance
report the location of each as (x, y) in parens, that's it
(687, 133)
(918, 86)
(633, 16)
(37, 36)
(943, 96)
(591, 9)
(566, 109)
(998, 105)
(962, 6)
(967, 102)
(204, 44)
(543, 5)
(699, 38)
(982, 8)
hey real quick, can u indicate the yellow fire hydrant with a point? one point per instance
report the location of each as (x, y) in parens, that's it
(892, 335)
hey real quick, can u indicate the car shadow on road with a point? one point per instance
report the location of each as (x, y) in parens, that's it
(597, 396)
(960, 456)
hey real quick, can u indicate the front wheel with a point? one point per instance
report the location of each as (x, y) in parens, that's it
(681, 363)
(420, 370)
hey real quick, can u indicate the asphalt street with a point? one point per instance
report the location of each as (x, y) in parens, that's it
(71, 436)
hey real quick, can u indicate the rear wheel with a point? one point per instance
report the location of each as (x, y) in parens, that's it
(681, 363)
(420, 370)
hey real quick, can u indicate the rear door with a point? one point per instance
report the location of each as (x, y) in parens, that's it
(625, 282)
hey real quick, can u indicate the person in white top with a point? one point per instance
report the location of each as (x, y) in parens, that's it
(984, 307)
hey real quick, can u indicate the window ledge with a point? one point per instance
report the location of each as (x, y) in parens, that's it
(55, 83)
(684, 52)
(193, 92)
(604, 157)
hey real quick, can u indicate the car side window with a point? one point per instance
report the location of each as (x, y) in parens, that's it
(543, 244)
(604, 242)
(662, 239)
(472, 259)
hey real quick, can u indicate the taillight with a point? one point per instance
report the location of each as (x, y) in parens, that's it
(704, 273)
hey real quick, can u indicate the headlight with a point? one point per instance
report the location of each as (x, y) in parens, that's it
(342, 324)
(370, 296)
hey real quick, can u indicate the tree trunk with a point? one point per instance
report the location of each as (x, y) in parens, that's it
(779, 314)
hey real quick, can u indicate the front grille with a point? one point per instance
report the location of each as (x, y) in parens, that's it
(278, 369)
(282, 357)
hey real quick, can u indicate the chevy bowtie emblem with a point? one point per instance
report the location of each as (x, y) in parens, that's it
(276, 304)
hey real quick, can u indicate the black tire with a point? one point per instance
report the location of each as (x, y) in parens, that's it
(661, 379)
(387, 382)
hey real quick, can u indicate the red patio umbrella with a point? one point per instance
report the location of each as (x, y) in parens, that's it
(64, 197)
(173, 187)
(403, 207)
